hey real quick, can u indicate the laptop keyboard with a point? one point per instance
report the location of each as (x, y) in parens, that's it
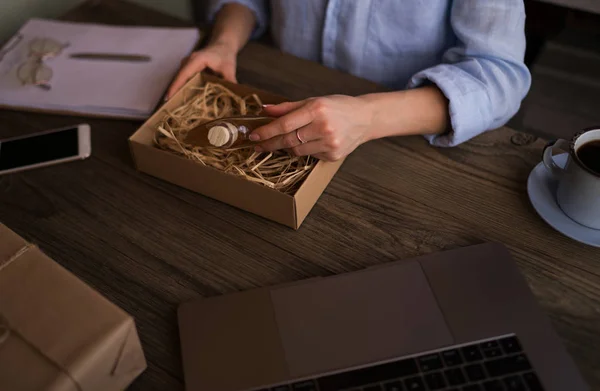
(494, 365)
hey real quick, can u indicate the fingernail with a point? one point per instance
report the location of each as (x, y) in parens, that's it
(258, 149)
(254, 137)
(267, 105)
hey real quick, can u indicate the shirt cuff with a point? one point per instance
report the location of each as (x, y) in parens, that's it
(257, 7)
(468, 103)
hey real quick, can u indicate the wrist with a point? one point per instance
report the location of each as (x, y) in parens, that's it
(228, 44)
(369, 104)
(386, 111)
(233, 27)
(417, 111)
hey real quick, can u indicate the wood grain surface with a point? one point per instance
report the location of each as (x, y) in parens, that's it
(148, 245)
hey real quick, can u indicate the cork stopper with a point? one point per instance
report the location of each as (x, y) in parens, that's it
(223, 134)
(218, 136)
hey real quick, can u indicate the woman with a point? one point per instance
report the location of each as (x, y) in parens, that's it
(456, 67)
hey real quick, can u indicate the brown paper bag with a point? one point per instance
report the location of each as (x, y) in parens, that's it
(57, 333)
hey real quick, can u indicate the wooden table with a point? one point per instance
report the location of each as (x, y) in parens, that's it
(584, 5)
(149, 245)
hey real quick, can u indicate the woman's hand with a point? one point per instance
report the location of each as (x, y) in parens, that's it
(331, 127)
(219, 57)
(328, 128)
(231, 31)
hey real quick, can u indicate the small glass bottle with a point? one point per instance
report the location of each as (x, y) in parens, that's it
(226, 133)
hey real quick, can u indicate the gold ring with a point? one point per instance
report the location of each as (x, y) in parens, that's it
(298, 137)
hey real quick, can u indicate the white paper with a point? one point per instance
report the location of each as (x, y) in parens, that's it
(130, 89)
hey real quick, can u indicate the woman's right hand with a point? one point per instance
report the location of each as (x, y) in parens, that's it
(220, 58)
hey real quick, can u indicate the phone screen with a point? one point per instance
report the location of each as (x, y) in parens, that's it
(39, 149)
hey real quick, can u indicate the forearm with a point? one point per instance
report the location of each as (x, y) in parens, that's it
(233, 26)
(418, 111)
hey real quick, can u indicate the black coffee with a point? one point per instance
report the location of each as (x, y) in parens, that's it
(589, 155)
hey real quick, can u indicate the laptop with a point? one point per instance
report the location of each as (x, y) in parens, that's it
(461, 319)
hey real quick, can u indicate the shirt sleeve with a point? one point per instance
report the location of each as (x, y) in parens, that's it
(483, 75)
(258, 8)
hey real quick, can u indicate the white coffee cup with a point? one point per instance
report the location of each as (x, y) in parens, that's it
(578, 191)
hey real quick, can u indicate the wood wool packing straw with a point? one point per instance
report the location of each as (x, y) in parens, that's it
(278, 170)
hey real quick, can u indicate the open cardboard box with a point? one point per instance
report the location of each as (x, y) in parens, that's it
(239, 192)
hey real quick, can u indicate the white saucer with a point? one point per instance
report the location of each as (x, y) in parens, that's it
(542, 193)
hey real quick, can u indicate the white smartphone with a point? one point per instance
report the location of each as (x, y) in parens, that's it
(45, 148)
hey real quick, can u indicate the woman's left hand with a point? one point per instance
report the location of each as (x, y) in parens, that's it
(328, 128)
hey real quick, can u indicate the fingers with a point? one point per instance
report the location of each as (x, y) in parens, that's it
(295, 119)
(229, 73)
(322, 156)
(197, 62)
(282, 108)
(310, 148)
(292, 139)
(191, 67)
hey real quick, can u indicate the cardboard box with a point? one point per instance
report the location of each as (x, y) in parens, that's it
(290, 210)
(57, 333)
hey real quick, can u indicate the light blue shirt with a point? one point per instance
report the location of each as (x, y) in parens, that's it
(472, 50)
